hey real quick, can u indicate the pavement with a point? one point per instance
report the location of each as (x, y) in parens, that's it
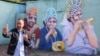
(3, 52)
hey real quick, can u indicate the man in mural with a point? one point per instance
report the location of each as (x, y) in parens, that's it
(49, 33)
(78, 35)
(19, 39)
(32, 27)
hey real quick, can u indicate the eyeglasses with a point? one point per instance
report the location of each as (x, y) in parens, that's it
(54, 21)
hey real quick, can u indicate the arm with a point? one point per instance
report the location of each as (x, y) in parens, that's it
(38, 35)
(50, 32)
(72, 35)
(91, 36)
(26, 39)
(47, 37)
(92, 39)
(5, 32)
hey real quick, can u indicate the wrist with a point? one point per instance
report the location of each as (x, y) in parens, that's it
(87, 30)
(75, 30)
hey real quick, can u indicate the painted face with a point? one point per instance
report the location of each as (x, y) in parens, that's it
(51, 22)
(77, 16)
(31, 20)
(20, 24)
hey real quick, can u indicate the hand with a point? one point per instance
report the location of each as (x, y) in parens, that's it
(25, 37)
(77, 25)
(86, 26)
(5, 29)
(51, 30)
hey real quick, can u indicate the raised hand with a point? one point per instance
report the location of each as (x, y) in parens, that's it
(5, 29)
(78, 25)
(86, 26)
(51, 30)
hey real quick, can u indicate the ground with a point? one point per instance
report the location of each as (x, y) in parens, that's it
(3, 49)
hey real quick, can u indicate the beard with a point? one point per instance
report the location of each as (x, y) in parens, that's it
(31, 24)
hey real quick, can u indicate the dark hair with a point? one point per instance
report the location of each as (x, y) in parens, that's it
(69, 19)
(44, 23)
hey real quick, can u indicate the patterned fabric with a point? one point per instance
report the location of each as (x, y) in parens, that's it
(75, 6)
(51, 12)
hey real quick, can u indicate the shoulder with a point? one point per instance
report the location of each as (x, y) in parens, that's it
(14, 29)
(43, 28)
(67, 28)
(57, 30)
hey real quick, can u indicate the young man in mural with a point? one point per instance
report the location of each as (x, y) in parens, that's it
(49, 33)
(78, 35)
(32, 27)
(19, 39)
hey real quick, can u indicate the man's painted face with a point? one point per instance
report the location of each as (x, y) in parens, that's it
(31, 20)
(51, 22)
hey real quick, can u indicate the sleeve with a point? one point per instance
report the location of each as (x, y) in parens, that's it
(26, 43)
(59, 35)
(8, 34)
(65, 33)
(38, 33)
(92, 29)
(42, 40)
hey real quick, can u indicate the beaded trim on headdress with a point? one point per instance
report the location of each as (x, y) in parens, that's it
(51, 12)
(73, 6)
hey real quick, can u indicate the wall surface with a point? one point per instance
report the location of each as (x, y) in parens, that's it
(8, 12)
(91, 9)
(8, 15)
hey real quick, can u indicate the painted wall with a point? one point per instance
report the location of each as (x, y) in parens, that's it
(8, 14)
(91, 9)
(9, 10)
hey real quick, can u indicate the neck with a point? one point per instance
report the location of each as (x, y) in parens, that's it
(20, 29)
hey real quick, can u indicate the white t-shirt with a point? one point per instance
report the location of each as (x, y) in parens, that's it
(19, 51)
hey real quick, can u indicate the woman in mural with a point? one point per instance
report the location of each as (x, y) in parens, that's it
(78, 36)
(32, 27)
(49, 33)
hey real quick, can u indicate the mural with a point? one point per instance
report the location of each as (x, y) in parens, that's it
(78, 35)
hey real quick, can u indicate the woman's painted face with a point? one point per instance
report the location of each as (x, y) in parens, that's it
(52, 22)
(77, 16)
